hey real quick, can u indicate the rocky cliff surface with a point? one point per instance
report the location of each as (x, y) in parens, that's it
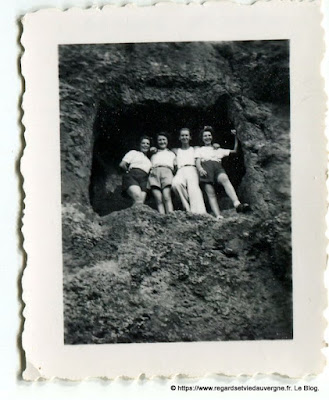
(138, 276)
(133, 275)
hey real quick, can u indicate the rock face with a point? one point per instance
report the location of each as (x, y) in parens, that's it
(133, 275)
(112, 94)
(138, 276)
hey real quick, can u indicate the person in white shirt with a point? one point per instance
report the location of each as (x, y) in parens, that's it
(161, 175)
(209, 166)
(186, 181)
(137, 166)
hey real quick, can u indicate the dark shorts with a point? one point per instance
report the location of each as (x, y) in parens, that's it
(213, 168)
(136, 177)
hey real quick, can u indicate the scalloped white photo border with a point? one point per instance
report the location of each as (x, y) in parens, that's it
(43, 340)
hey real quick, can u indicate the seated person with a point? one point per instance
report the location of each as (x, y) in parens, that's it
(186, 181)
(137, 166)
(161, 175)
(209, 165)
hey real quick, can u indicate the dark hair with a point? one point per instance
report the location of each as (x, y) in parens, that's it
(145, 137)
(165, 134)
(206, 128)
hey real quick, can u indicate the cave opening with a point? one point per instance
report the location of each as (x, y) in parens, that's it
(118, 129)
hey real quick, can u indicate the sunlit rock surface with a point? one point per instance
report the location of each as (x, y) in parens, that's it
(132, 275)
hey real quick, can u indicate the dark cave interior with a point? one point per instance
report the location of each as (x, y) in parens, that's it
(117, 130)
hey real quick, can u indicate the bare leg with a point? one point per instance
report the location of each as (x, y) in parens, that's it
(158, 200)
(136, 194)
(166, 196)
(211, 194)
(143, 197)
(229, 189)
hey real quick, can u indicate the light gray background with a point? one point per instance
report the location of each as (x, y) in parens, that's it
(12, 259)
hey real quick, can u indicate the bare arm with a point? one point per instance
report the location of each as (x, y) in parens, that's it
(199, 167)
(124, 165)
(235, 146)
(233, 131)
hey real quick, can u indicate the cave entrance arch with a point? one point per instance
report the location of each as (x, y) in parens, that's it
(118, 128)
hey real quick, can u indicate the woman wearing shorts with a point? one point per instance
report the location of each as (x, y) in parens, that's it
(161, 175)
(209, 166)
(137, 166)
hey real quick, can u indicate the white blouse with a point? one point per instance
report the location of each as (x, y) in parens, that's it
(208, 153)
(163, 158)
(137, 159)
(185, 157)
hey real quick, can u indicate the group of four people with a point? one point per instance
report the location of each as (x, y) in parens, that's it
(182, 170)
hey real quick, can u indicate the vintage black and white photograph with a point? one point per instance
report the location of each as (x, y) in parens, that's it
(174, 180)
(176, 191)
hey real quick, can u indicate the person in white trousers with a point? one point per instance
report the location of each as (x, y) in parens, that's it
(186, 181)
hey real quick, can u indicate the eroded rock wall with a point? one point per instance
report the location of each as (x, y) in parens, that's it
(254, 77)
(137, 276)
